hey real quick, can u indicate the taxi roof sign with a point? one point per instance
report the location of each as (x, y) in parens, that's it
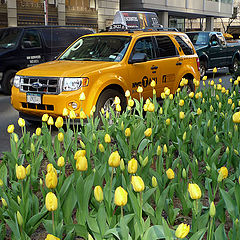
(133, 20)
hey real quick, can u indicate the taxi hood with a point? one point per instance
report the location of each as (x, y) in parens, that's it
(65, 68)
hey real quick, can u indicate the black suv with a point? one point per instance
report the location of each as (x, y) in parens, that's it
(22, 47)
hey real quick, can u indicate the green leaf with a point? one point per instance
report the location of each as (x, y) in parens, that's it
(199, 234)
(143, 145)
(154, 233)
(81, 231)
(101, 219)
(167, 232)
(229, 203)
(220, 233)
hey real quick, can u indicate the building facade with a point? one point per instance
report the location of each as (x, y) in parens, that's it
(98, 14)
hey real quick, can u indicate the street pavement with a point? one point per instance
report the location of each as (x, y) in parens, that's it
(8, 115)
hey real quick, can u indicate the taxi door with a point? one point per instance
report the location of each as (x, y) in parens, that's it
(141, 74)
(169, 64)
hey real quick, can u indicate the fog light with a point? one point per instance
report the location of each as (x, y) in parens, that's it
(73, 105)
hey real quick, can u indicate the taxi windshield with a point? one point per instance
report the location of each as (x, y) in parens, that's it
(9, 37)
(199, 38)
(98, 48)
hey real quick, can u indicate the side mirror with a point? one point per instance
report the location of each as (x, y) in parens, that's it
(138, 58)
(214, 43)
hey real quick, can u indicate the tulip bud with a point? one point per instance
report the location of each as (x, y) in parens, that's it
(132, 166)
(21, 122)
(28, 170)
(114, 159)
(107, 138)
(1, 182)
(120, 197)
(209, 122)
(230, 135)
(165, 148)
(154, 182)
(148, 132)
(181, 102)
(127, 93)
(182, 230)
(224, 172)
(215, 129)
(137, 183)
(10, 128)
(170, 174)
(122, 165)
(59, 122)
(122, 126)
(38, 131)
(184, 136)
(94, 137)
(181, 115)
(51, 179)
(145, 161)
(82, 97)
(107, 115)
(101, 148)
(128, 132)
(161, 111)
(159, 150)
(51, 201)
(19, 219)
(50, 121)
(227, 150)
(235, 127)
(212, 211)
(61, 161)
(52, 237)
(19, 200)
(184, 173)
(65, 112)
(190, 127)
(208, 168)
(194, 191)
(98, 193)
(72, 114)
(118, 108)
(220, 177)
(4, 203)
(82, 144)
(216, 138)
(208, 150)
(168, 121)
(41, 182)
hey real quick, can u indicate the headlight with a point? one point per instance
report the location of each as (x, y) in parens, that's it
(16, 81)
(72, 84)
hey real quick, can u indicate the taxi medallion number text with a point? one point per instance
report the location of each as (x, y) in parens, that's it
(34, 98)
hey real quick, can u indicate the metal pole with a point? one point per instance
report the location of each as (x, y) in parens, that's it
(46, 12)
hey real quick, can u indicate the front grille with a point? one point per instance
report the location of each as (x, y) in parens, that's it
(38, 106)
(45, 85)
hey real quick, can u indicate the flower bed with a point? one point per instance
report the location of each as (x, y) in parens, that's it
(158, 172)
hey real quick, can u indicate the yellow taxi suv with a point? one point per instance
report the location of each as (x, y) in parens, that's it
(105, 65)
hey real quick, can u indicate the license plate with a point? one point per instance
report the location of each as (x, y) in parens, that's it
(34, 98)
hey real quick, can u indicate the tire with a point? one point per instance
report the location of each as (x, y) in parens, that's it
(7, 81)
(235, 65)
(106, 99)
(203, 69)
(190, 87)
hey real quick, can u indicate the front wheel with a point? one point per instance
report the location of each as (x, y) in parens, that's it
(106, 101)
(7, 81)
(203, 68)
(235, 65)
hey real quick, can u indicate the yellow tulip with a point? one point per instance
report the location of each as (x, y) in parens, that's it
(1, 182)
(167, 91)
(19, 200)
(72, 114)
(182, 230)
(38, 131)
(79, 153)
(4, 203)
(118, 108)
(184, 136)
(148, 132)
(171, 96)
(181, 102)
(153, 84)
(212, 211)
(65, 112)
(82, 164)
(154, 182)
(50, 121)
(61, 161)
(114, 159)
(51, 237)
(82, 97)
(204, 78)
(60, 137)
(51, 180)
(50, 168)
(199, 111)
(59, 122)
(28, 169)
(163, 95)
(130, 103)
(191, 94)
(127, 93)
(82, 115)
(120, 197)
(21, 122)
(181, 115)
(194, 191)
(170, 174)
(236, 117)
(224, 172)
(20, 172)
(165, 148)
(107, 138)
(10, 128)
(98, 193)
(137, 183)
(127, 132)
(132, 166)
(122, 165)
(159, 150)
(161, 111)
(101, 148)
(168, 121)
(215, 70)
(117, 100)
(51, 201)
(140, 89)
(150, 107)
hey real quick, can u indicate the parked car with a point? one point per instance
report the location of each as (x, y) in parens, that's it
(214, 51)
(22, 47)
(102, 66)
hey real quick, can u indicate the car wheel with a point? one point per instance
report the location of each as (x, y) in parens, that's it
(106, 101)
(7, 81)
(203, 68)
(190, 87)
(235, 66)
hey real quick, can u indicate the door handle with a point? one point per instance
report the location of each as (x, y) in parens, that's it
(154, 67)
(178, 63)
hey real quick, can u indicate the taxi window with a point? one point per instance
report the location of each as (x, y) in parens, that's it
(31, 39)
(185, 45)
(145, 45)
(166, 47)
